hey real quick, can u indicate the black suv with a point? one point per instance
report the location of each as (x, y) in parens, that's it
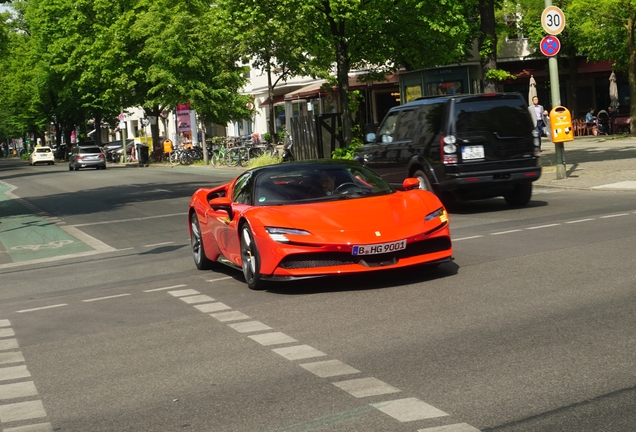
(459, 147)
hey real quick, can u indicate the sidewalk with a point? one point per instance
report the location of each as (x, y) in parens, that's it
(592, 163)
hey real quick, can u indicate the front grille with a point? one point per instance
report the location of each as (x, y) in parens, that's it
(331, 259)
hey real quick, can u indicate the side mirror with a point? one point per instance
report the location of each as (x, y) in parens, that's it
(370, 137)
(222, 203)
(410, 183)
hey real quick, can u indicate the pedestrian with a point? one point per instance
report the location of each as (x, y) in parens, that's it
(590, 117)
(538, 114)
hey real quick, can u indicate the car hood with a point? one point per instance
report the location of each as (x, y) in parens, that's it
(398, 215)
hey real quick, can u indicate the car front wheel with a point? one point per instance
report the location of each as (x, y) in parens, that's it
(424, 183)
(250, 259)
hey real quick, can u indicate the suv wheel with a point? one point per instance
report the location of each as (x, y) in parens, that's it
(424, 183)
(520, 195)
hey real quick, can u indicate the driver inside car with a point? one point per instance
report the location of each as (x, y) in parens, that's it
(328, 183)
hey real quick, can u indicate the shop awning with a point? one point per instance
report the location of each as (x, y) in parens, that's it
(277, 99)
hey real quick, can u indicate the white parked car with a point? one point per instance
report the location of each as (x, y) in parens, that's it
(42, 155)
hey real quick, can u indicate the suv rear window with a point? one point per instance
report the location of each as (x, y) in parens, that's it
(90, 150)
(507, 117)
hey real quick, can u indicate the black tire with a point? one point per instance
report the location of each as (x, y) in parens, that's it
(520, 195)
(250, 259)
(425, 184)
(196, 243)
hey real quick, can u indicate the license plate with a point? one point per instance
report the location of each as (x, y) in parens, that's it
(472, 152)
(379, 248)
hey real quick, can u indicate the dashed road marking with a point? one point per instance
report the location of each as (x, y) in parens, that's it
(220, 279)
(230, 316)
(105, 298)
(543, 226)
(580, 220)
(185, 292)
(164, 288)
(275, 338)
(409, 409)
(202, 298)
(298, 352)
(212, 307)
(21, 411)
(468, 238)
(249, 326)
(6, 332)
(506, 232)
(329, 368)
(5, 323)
(159, 244)
(614, 215)
(365, 387)
(14, 372)
(457, 427)
(42, 308)
(7, 344)
(17, 390)
(11, 357)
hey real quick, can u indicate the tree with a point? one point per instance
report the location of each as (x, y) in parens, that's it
(605, 30)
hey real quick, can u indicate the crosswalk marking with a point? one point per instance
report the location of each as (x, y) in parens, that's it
(14, 372)
(457, 427)
(5, 323)
(7, 344)
(21, 411)
(249, 326)
(185, 292)
(11, 357)
(40, 427)
(6, 332)
(196, 299)
(17, 390)
(212, 307)
(229, 316)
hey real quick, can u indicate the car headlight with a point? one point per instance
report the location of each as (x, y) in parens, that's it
(278, 234)
(439, 213)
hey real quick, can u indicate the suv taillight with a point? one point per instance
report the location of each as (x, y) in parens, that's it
(448, 149)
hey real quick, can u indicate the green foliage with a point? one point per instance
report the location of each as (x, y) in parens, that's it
(347, 152)
(264, 160)
(267, 136)
(499, 75)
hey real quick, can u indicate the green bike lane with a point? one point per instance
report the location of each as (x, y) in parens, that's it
(28, 236)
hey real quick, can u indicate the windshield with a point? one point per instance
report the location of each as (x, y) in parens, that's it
(307, 183)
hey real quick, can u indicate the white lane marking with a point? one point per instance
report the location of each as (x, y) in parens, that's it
(5, 323)
(457, 427)
(89, 240)
(11, 357)
(506, 232)
(158, 244)
(197, 299)
(6, 332)
(7, 344)
(105, 298)
(125, 249)
(365, 387)
(580, 220)
(468, 238)
(165, 288)
(329, 368)
(185, 292)
(220, 279)
(249, 326)
(543, 226)
(298, 352)
(630, 184)
(129, 220)
(55, 258)
(14, 372)
(21, 411)
(40, 427)
(409, 409)
(17, 390)
(42, 308)
(275, 338)
(212, 307)
(614, 215)
(230, 316)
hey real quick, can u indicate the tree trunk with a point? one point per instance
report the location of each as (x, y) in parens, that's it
(343, 66)
(631, 72)
(98, 129)
(488, 43)
(272, 113)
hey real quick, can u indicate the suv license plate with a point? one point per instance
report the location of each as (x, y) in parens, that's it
(472, 152)
(379, 248)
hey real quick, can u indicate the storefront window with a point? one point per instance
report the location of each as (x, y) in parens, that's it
(445, 88)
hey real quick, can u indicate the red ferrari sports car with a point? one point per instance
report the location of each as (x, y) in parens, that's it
(318, 218)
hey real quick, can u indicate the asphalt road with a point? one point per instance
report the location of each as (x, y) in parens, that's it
(531, 328)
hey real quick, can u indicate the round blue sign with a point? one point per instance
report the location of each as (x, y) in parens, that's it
(550, 46)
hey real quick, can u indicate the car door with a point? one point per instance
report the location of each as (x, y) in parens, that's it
(390, 153)
(228, 235)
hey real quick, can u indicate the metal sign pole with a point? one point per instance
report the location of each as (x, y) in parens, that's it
(555, 93)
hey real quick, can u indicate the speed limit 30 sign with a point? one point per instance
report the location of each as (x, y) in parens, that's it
(553, 20)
